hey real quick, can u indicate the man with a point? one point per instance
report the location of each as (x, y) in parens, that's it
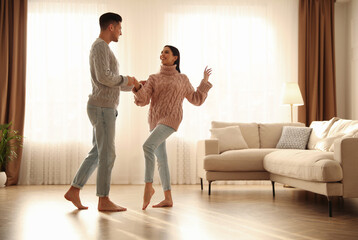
(102, 112)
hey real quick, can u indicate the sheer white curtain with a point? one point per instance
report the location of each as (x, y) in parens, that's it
(251, 46)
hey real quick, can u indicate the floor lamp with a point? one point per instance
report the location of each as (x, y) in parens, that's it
(292, 96)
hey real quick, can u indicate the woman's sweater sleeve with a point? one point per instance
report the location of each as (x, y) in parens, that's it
(197, 97)
(143, 95)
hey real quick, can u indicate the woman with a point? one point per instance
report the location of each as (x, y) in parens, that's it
(165, 91)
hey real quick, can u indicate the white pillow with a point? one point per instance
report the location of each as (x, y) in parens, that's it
(320, 130)
(230, 138)
(325, 144)
(352, 134)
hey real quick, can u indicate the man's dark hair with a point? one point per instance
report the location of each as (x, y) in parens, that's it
(109, 18)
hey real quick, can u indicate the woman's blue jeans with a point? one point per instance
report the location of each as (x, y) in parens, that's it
(155, 146)
(102, 154)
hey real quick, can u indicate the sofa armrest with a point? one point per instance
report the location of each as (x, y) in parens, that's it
(346, 153)
(204, 148)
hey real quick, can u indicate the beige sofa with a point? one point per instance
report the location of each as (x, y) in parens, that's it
(328, 165)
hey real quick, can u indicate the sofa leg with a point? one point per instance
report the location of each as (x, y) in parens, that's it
(201, 183)
(273, 189)
(209, 193)
(329, 206)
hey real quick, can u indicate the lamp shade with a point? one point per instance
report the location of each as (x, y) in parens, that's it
(292, 94)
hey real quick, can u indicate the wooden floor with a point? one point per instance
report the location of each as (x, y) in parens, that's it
(231, 212)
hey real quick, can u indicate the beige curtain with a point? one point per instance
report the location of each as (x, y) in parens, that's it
(13, 24)
(316, 60)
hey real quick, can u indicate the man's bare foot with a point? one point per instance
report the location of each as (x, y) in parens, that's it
(104, 204)
(148, 193)
(164, 203)
(73, 195)
(167, 202)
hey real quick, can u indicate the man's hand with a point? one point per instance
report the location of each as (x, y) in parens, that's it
(136, 84)
(130, 81)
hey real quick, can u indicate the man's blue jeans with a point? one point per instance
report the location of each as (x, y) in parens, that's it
(155, 144)
(102, 154)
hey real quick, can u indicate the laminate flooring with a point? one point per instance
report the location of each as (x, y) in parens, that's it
(231, 212)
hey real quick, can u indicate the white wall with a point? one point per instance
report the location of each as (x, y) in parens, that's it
(346, 36)
(352, 60)
(340, 22)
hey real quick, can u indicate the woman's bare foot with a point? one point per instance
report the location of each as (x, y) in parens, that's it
(167, 202)
(104, 204)
(148, 193)
(73, 195)
(164, 203)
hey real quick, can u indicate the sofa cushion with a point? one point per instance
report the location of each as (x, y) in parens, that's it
(229, 138)
(309, 165)
(250, 131)
(320, 130)
(237, 160)
(270, 133)
(294, 137)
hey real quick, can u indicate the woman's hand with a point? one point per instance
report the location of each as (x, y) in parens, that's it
(207, 73)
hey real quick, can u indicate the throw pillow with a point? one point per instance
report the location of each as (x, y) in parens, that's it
(230, 138)
(319, 131)
(294, 137)
(326, 143)
(352, 134)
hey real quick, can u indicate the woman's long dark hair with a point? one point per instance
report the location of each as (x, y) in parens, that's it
(175, 52)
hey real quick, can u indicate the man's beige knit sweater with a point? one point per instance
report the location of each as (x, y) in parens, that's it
(166, 92)
(106, 81)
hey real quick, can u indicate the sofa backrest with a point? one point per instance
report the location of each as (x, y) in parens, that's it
(270, 133)
(250, 131)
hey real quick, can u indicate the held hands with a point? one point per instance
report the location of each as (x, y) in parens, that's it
(207, 73)
(130, 81)
(136, 84)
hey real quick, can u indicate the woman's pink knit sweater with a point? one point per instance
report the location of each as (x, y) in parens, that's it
(166, 92)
